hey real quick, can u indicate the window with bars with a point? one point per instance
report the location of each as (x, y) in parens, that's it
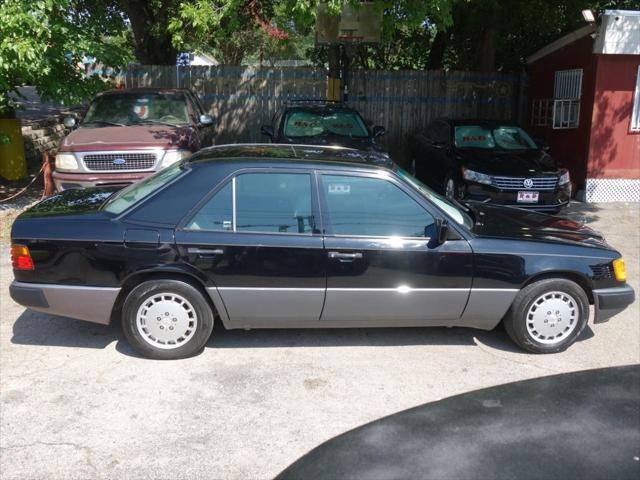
(635, 114)
(563, 110)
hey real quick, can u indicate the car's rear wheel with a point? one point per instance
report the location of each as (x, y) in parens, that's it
(166, 319)
(547, 316)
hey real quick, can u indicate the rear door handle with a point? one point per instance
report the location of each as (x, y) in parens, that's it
(206, 251)
(345, 257)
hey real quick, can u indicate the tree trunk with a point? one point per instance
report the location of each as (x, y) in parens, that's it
(438, 47)
(486, 55)
(150, 32)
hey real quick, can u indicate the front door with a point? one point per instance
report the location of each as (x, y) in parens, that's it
(257, 241)
(385, 266)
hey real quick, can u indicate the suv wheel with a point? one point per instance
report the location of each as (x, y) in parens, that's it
(166, 319)
(547, 316)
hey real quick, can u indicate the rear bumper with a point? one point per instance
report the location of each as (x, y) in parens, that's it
(93, 304)
(611, 301)
(67, 181)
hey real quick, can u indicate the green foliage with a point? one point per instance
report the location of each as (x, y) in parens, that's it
(42, 43)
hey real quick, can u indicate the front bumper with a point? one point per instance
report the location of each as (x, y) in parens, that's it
(67, 181)
(548, 200)
(611, 301)
(93, 304)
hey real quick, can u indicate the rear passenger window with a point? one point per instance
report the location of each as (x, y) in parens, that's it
(265, 202)
(274, 203)
(365, 206)
(217, 213)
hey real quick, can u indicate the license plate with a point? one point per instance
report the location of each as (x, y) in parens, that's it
(528, 197)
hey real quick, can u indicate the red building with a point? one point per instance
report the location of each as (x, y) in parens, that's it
(585, 102)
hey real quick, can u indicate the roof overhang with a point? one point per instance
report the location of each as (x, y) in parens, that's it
(562, 42)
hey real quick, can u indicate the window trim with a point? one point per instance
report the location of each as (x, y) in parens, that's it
(326, 220)
(634, 125)
(317, 231)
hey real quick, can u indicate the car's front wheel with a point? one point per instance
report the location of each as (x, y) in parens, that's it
(452, 188)
(166, 319)
(548, 315)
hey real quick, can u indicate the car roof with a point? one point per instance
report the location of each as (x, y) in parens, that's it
(289, 153)
(144, 90)
(476, 121)
(317, 106)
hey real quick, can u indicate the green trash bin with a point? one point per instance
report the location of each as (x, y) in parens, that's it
(13, 165)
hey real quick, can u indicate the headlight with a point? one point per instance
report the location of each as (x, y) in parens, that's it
(564, 178)
(173, 156)
(66, 161)
(619, 270)
(476, 176)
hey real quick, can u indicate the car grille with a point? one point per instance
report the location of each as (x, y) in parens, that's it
(602, 271)
(517, 183)
(113, 161)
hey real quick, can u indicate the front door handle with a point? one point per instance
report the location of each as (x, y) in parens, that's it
(206, 251)
(345, 257)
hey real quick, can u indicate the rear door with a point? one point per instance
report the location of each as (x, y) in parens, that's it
(384, 266)
(257, 239)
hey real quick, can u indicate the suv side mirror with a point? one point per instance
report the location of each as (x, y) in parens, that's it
(206, 119)
(379, 130)
(267, 130)
(442, 228)
(69, 122)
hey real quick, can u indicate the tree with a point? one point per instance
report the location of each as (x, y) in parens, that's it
(42, 43)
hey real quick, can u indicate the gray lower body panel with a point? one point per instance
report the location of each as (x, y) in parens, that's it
(272, 307)
(487, 306)
(93, 304)
(611, 301)
(393, 306)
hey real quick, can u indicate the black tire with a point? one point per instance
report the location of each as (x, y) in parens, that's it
(194, 339)
(515, 321)
(455, 191)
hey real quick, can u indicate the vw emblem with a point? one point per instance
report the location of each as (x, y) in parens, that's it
(119, 161)
(528, 183)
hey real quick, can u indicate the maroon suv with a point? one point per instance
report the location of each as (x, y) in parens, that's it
(127, 135)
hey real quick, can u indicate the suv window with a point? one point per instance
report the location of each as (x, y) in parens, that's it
(373, 207)
(265, 202)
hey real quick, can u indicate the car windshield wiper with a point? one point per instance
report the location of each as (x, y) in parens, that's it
(158, 122)
(104, 122)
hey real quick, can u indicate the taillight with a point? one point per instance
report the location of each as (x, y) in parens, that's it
(21, 258)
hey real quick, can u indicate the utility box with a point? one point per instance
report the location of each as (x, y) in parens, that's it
(13, 165)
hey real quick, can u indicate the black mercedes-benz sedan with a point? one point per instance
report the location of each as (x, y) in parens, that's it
(275, 236)
(490, 162)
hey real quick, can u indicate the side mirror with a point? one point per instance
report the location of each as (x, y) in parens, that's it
(267, 130)
(379, 130)
(69, 122)
(442, 229)
(542, 144)
(206, 119)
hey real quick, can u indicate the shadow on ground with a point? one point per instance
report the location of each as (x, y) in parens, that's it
(581, 212)
(34, 328)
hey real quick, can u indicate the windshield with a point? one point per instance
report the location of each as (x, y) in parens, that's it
(314, 124)
(135, 192)
(125, 109)
(500, 138)
(455, 211)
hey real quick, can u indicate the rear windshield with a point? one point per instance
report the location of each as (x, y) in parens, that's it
(138, 191)
(500, 138)
(133, 109)
(315, 124)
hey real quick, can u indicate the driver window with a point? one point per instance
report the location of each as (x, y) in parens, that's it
(366, 206)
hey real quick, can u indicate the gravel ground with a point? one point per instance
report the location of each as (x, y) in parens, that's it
(76, 402)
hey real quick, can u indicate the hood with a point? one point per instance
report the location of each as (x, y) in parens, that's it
(129, 137)
(70, 203)
(522, 163)
(359, 143)
(516, 223)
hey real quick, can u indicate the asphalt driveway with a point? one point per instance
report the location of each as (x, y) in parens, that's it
(76, 402)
